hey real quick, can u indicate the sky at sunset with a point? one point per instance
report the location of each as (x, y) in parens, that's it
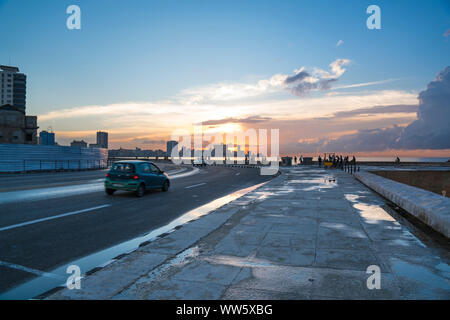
(312, 69)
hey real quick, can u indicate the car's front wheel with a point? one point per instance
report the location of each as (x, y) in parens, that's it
(165, 186)
(140, 190)
(110, 192)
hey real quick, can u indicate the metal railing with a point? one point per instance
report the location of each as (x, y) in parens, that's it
(50, 165)
(25, 158)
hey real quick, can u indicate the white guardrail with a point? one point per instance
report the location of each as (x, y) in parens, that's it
(23, 158)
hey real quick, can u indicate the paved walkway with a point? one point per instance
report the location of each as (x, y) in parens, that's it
(307, 234)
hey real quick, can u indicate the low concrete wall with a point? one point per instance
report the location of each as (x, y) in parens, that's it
(430, 208)
(27, 157)
(431, 180)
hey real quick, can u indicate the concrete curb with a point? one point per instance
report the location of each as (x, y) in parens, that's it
(430, 208)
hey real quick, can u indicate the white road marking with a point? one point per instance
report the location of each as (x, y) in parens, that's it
(30, 270)
(185, 174)
(49, 193)
(237, 174)
(53, 217)
(195, 185)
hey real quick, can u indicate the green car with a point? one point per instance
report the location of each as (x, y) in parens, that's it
(137, 176)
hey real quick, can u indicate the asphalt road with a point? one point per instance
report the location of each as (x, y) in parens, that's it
(95, 221)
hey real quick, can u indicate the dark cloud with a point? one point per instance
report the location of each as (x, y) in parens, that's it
(252, 119)
(325, 84)
(401, 108)
(149, 141)
(431, 130)
(303, 87)
(298, 77)
(363, 140)
(303, 82)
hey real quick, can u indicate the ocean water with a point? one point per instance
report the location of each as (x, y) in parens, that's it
(405, 159)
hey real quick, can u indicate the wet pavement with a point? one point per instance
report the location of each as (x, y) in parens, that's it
(307, 234)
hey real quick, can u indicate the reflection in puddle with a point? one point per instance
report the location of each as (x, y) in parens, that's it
(374, 214)
(321, 180)
(319, 187)
(407, 243)
(179, 260)
(371, 213)
(444, 267)
(417, 273)
(250, 262)
(263, 195)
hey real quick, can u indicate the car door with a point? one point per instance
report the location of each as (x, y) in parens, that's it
(158, 176)
(146, 174)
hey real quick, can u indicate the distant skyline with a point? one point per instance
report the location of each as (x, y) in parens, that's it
(141, 69)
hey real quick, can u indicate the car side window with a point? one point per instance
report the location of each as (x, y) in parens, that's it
(154, 168)
(145, 167)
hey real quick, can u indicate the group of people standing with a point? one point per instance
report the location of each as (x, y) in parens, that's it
(337, 161)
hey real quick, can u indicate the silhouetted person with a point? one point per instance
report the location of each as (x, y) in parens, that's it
(320, 161)
(397, 160)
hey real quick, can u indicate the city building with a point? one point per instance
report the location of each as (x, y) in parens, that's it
(16, 127)
(79, 144)
(169, 147)
(102, 139)
(12, 87)
(47, 138)
(118, 153)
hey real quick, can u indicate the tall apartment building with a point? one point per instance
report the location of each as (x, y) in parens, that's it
(47, 138)
(12, 87)
(102, 139)
(169, 146)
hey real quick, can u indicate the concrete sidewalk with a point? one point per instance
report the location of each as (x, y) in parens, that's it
(308, 234)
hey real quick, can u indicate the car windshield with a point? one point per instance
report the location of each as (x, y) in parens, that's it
(123, 167)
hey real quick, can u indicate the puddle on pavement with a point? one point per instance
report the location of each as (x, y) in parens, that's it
(319, 180)
(375, 214)
(179, 260)
(233, 261)
(371, 213)
(319, 187)
(39, 285)
(418, 273)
